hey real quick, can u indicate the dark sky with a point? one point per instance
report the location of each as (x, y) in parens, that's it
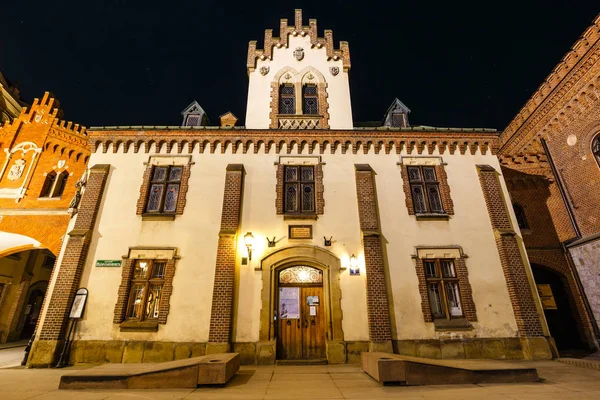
(126, 62)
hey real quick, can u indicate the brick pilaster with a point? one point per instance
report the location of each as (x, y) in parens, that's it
(513, 264)
(71, 267)
(377, 299)
(221, 317)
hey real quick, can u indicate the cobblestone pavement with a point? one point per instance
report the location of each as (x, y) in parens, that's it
(560, 381)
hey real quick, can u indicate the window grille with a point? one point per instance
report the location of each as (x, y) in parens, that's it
(443, 289)
(310, 99)
(287, 99)
(299, 183)
(164, 189)
(146, 289)
(193, 120)
(425, 190)
(398, 120)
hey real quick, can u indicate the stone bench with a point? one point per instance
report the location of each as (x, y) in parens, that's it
(213, 369)
(386, 367)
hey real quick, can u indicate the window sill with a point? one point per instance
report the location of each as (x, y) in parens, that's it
(49, 198)
(158, 217)
(288, 217)
(432, 216)
(458, 324)
(139, 326)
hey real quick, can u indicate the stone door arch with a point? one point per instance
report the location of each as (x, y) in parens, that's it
(316, 257)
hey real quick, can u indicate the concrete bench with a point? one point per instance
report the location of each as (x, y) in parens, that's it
(386, 367)
(213, 369)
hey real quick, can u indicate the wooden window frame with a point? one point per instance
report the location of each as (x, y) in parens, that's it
(166, 183)
(424, 184)
(291, 96)
(310, 96)
(148, 281)
(300, 184)
(441, 281)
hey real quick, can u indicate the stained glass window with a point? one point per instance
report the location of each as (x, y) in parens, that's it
(443, 288)
(287, 99)
(301, 274)
(164, 189)
(299, 189)
(310, 99)
(147, 283)
(425, 190)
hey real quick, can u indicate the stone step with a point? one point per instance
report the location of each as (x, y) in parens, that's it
(213, 369)
(386, 367)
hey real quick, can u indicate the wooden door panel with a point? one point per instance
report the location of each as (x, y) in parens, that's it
(313, 335)
(289, 337)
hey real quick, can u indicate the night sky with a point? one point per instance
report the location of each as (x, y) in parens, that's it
(126, 62)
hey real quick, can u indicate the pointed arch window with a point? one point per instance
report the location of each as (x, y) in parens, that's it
(48, 184)
(596, 148)
(520, 214)
(310, 99)
(287, 99)
(61, 183)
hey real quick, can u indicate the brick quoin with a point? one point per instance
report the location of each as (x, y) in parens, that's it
(71, 268)
(221, 317)
(377, 300)
(513, 264)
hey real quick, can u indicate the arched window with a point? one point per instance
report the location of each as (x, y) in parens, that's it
(310, 99)
(61, 182)
(48, 184)
(287, 99)
(596, 148)
(520, 214)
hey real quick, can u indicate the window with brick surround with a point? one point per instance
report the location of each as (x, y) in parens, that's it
(425, 190)
(596, 148)
(443, 289)
(164, 189)
(299, 189)
(146, 290)
(287, 99)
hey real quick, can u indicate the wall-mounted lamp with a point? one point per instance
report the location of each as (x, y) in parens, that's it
(249, 241)
(271, 242)
(354, 270)
(327, 241)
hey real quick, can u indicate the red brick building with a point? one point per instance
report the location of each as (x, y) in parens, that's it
(550, 155)
(42, 158)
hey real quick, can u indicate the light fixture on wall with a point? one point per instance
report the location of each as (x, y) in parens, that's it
(327, 242)
(249, 241)
(354, 270)
(271, 242)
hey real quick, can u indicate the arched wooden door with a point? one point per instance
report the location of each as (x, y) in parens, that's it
(300, 314)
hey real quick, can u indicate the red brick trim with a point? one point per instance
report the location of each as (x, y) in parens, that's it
(447, 202)
(378, 313)
(319, 190)
(425, 305)
(74, 257)
(520, 292)
(466, 292)
(183, 188)
(123, 292)
(165, 301)
(407, 194)
(221, 316)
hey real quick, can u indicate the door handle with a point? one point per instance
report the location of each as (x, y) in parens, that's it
(298, 323)
(305, 322)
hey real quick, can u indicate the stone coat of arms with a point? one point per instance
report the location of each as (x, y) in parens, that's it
(334, 70)
(16, 170)
(299, 53)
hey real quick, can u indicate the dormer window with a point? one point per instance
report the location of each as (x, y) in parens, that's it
(310, 99)
(287, 99)
(396, 115)
(398, 119)
(193, 120)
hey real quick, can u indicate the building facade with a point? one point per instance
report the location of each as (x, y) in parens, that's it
(42, 158)
(298, 236)
(550, 155)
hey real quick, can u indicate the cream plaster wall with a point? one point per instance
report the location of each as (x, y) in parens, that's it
(195, 234)
(259, 88)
